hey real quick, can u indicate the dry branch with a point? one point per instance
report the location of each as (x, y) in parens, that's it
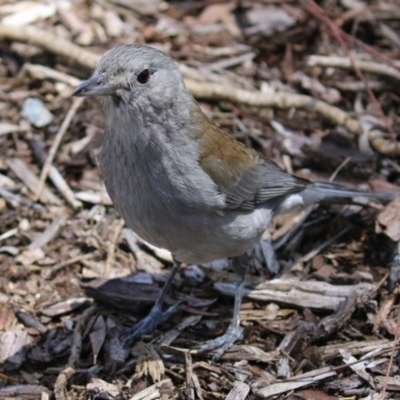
(115, 232)
(60, 389)
(31, 180)
(50, 42)
(56, 143)
(308, 294)
(383, 146)
(345, 63)
(277, 99)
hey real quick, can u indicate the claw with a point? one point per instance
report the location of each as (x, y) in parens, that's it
(222, 343)
(156, 315)
(148, 324)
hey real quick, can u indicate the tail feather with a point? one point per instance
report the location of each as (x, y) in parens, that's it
(331, 191)
(318, 192)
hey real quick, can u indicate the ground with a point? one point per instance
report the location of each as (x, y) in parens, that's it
(314, 86)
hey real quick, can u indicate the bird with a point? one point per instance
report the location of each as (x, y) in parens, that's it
(182, 183)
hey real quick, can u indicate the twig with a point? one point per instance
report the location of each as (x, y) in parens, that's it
(49, 234)
(276, 99)
(284, 100)
(58, 180)
(56, 268)
(311, 254)
(14, 200)
(353, 13)
(50, 42)
(343, 366)
(56, 143)
(231, 62)
(337, 170)
(357, 86)
(239, 391)
(60, 387)
(31, 181)
(60, 183)
(115, 232)
(10, 233)
(369, 49)
(383, 146)
(389, 367)
(351, 39)
(77, 338)
(189, 376)
(362, 359)
(42, 72)
(345, 63)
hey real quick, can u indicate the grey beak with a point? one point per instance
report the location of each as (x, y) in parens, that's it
(94, 87)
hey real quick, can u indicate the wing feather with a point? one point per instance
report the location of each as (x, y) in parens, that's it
(259, 184)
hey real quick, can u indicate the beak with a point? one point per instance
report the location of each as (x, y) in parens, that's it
(94, 87)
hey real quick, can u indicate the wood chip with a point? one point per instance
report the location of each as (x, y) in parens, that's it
(285, 387)
(24, 392)
(49, 234)
(389, 220)
(239, 391)
(31, 180)
(154, 392)
(305, 294)
(65, 306)
(148, 362)
(358, 368)
(13, 345)
(393, 383)
(99, 388)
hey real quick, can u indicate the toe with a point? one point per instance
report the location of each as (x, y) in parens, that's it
(148, 324)
(222, 343)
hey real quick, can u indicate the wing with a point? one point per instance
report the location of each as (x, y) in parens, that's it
(259, 184)
(246, 178)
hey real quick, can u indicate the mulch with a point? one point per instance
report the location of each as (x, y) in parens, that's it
(312, 86)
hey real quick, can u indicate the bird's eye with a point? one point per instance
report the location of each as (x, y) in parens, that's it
(144, 76)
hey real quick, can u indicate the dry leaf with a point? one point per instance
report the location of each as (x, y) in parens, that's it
(389, 220)
(97, 337)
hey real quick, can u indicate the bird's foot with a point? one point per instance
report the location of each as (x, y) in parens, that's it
(148, 324)
(222, 343)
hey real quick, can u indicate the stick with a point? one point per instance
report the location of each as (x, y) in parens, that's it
(56, 143)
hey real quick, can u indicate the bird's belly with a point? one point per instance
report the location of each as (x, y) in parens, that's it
(230, 235)
(192, 235)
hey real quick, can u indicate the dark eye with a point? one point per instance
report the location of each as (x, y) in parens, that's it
(144, 76)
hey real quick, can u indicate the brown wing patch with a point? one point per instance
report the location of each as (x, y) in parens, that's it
(246, 179)
(222, 157)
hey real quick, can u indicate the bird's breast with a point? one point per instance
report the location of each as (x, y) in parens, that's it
(161, 193)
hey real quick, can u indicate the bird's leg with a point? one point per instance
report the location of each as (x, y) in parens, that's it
(156, 315)
(234, 332)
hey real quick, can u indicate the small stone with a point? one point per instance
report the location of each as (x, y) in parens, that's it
(194, 274)
(24, 225)
(36, 112)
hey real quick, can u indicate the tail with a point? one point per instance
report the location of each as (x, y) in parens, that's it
(319, 192)
(325, 191)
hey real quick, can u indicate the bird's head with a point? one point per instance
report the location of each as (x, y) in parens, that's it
(135, 77)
